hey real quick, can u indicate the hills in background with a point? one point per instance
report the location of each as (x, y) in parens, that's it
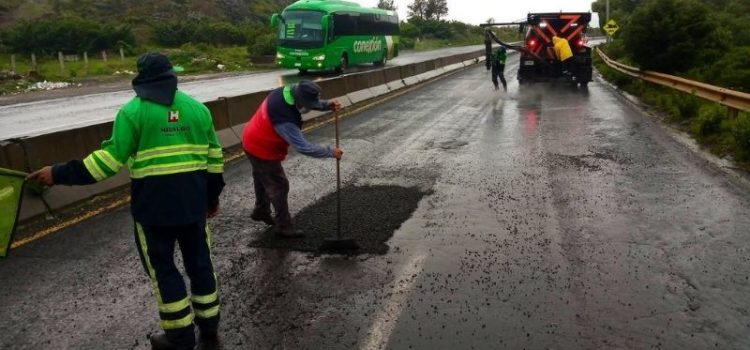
(141, 12)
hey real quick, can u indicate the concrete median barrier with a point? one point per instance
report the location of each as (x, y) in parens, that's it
(392, 74)
(70, 144)
(409, 81)
(380, 90)
(408, 70)
(395, 85)
(453, 67)
(360, 95)
(219, 113)
(356, 82)
(333, 87)
(230, 116)
(376, 78)
(12, 156)
(239, 110)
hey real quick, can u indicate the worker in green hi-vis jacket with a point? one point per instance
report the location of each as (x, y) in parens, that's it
(168, 142)
(498, 67)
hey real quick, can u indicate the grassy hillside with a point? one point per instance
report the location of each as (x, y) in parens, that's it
(140, 11)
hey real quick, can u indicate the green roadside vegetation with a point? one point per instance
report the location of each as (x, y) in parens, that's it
(194, 58)
(421, 35)
(426, 27)
(707, 41)
(201, 37)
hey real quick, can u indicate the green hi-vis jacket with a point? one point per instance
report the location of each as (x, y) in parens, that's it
(500, 56)
(173, 154)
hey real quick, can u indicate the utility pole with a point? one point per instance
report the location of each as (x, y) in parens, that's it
(607, 10)
(609, 39)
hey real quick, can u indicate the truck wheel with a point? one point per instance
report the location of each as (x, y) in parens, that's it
(584, 85)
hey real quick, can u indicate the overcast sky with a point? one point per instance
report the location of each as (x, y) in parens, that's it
(477, 11)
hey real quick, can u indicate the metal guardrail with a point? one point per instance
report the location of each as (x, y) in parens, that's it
(734, 100)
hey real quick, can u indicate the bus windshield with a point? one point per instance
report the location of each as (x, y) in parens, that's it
(301, 30)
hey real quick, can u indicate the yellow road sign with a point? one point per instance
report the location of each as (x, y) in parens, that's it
(611, 27)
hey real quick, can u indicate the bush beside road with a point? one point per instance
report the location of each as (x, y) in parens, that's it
(708, 122)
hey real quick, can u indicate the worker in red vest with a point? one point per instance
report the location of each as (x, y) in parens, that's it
(266, 139)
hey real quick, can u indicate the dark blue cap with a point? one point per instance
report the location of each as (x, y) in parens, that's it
(307, 94)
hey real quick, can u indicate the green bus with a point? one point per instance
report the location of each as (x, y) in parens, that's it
(333, 34)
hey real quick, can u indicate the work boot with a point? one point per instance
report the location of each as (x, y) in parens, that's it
(209, 341)
(288, 232)
(161, 342)
(263, 216)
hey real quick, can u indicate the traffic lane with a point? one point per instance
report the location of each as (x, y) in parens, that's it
(587, 227)
(555, 220)
(529, 237)
(84, 287)
(71, 289)
(41, 117)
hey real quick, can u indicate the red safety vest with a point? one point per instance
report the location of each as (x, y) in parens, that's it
(259, 138)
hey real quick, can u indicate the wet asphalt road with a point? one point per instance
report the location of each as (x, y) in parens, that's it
(41, 117)
(553, 219)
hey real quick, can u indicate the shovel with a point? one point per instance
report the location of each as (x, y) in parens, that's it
(338, 243)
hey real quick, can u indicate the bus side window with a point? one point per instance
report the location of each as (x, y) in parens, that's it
(367, 24)
(344, 24)
(331, 30)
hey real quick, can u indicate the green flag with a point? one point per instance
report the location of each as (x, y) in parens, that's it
(11, 192)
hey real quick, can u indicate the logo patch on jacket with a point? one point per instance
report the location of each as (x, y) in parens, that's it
(174, 116)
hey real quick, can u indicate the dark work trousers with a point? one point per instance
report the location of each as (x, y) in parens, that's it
(271, 188)
(156, 248)
(498, 70)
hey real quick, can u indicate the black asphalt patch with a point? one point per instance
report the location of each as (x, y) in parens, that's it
(370, 215)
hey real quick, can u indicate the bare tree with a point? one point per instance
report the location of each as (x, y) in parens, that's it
(387, 5)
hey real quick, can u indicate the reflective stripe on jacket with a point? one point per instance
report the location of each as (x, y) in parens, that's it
(173, 154)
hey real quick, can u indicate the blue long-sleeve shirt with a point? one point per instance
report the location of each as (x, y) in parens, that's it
(292, 134)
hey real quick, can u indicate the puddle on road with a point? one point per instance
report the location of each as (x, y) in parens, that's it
(370, 215)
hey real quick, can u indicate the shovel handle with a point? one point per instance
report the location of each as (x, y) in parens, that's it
(338, 178)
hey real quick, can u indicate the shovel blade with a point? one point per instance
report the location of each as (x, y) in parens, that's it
(339, 244)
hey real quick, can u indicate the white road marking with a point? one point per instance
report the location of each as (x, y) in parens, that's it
(385, 321)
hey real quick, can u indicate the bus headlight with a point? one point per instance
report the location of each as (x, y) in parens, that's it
(321, 57)
(279, 56)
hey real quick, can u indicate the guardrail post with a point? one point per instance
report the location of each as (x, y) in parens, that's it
(733, 113)
(61, 59)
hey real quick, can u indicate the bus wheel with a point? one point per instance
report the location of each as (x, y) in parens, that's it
(343, 64)
(382, 60)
